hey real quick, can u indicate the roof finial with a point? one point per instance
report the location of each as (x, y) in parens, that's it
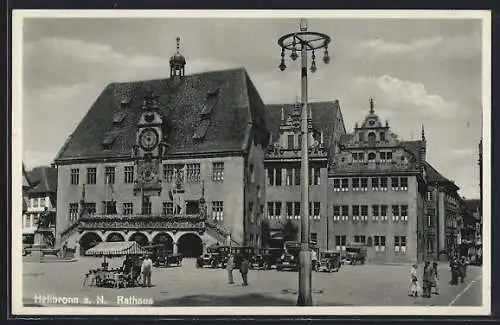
(178, 39)
(423, 133)
(371, 106)
(282, 114)
(303, 25)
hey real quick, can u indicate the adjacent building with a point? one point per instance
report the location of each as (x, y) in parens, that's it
(177, 161)
(376, 191)
(282, 162)
(40, 195)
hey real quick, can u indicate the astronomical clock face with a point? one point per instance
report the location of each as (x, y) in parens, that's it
(148, 139)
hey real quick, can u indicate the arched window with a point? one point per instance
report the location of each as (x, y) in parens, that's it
(371, 156)
(371, 138)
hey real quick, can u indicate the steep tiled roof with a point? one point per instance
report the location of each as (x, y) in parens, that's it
(26, 183)
(413, 147)
(432, 174)
(43, 179)
(472, 204)
(236, 106)
(323, 116)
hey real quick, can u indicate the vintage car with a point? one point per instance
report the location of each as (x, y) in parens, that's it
(204, 260)
(288, 262)
(355, 255)
(163, 257)
(168, 259)
(215, 257)
(329, 261)
(271, 256)
(258, 262)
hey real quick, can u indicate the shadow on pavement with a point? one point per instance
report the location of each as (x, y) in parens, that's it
(241, 300)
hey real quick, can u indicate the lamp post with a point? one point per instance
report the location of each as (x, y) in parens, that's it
(304, 41)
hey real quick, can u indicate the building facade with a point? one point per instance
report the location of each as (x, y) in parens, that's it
(40, 193)
(444, 209)
(283, 160)
(375, 188)
(177, 161)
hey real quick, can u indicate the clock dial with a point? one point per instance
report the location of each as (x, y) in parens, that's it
(148, 139)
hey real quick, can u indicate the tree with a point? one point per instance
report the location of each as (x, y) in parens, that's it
(290, 231)
(265, 233)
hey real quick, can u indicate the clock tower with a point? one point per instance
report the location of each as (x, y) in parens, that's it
(149, 148)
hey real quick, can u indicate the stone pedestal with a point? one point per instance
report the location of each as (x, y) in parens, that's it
(38, 244)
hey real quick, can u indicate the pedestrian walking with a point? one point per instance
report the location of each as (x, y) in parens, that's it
(427, 280)
(435, 278)
(414, 287)
(146, 270)
(244, 266)
(230, 268)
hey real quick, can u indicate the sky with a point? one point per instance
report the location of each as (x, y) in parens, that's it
(418, 71)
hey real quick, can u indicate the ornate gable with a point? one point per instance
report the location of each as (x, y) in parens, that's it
(372, 147)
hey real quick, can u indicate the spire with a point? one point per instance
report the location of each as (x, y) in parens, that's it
(423, 133)
(371, 106)
(177, 61)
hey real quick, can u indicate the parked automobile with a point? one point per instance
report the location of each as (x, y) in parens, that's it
(288, 262)
(329, 261)
(163, 257)
(204, 260)
(258, 262)
(271, 256)
(355, 254)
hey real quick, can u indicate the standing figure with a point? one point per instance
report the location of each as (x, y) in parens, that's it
(314, 257)
(427, 280)
(230, 268)
(435, 277)
(454, 271)
(414, 287)
(463, 268)
(244, 266)
(146, 270)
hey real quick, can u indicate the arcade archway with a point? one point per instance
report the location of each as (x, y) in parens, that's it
(139, 238)
(165, 239)
(89, 240)
(190, 245)
(114, 236)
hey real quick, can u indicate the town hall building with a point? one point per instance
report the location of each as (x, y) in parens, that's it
(177, 161)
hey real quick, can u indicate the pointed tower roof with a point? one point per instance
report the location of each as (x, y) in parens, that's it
(178, 58)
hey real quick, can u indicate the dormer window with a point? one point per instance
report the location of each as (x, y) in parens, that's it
(201, 130)
(109, 139)
(119, 117)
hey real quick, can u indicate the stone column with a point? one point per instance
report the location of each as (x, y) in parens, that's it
(175, 247)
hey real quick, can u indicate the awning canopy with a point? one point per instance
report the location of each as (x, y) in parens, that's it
(120, 248)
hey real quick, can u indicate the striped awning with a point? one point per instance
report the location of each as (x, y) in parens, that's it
(120, 248)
